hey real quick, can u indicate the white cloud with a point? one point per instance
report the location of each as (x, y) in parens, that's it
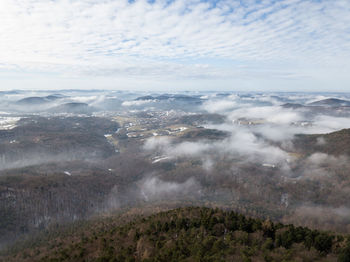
(136, 102)
(272, 114)
(157, 143)
(245, 143)
(242, 142)
(219, 106)
(189, 149)
(154, 188)
(327, 124)
(177, 39)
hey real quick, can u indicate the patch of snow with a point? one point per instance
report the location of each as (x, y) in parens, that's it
(159, 158)
(269, 165)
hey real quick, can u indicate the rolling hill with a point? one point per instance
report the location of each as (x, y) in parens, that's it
(335, 143)
(331, 102)
(184, 234)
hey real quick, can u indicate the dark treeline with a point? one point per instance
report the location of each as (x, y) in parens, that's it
(191, 234)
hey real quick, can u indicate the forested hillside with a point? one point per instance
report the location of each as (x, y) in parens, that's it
(187, 234)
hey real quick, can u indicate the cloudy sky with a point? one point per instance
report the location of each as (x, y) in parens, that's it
(250, 45)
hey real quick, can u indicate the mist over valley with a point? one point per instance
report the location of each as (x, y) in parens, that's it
(73, 155)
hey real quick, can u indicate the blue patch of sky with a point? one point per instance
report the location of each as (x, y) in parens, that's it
(128, 40)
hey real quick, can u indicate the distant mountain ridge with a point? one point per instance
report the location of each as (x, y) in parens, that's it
(331, 102)
(335, 143)
(33, 100)
(169, 96)
(37, 100)
(73, 107)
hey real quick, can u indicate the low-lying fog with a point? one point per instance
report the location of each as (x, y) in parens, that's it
(265, 154)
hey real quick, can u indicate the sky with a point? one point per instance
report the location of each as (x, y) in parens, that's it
(162, 45)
